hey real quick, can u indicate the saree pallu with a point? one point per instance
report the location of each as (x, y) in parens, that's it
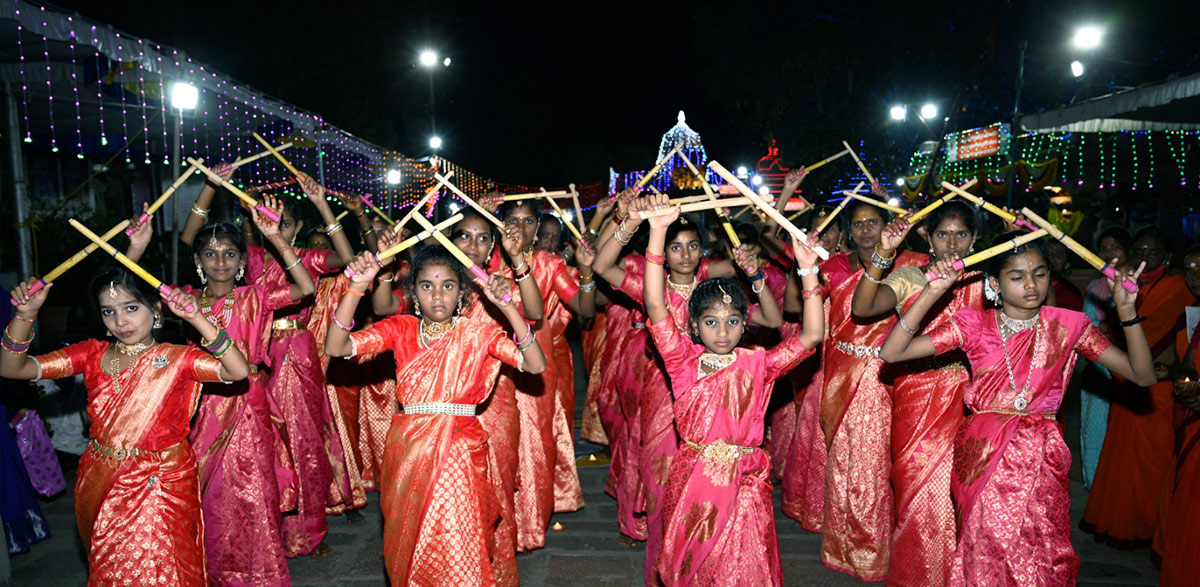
(1009, 481)
(803, 495)
(927, 411)
(718, 517)
(568, 494)
(1122, 508)
(137, 497)
(625, 364)
(856, 414)
(594, 341)
(439, 498)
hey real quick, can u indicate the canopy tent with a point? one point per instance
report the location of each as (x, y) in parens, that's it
(1172, 104)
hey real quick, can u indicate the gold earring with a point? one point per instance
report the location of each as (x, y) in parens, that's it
(157, 321)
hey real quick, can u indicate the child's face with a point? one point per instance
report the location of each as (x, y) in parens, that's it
(720, 327)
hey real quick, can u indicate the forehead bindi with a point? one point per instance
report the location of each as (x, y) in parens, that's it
(437, 274)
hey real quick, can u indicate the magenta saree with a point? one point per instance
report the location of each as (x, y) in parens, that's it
(1010, 481)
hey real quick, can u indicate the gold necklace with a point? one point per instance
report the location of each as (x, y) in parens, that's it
(226, 316)
(684, 290)
(715, 362)
(1014, 326)
(431, 332)
(134, 350)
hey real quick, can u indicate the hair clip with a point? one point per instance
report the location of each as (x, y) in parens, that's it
(725, 297)
(112, 291)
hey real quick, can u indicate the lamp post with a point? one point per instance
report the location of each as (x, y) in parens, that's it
(184, 96)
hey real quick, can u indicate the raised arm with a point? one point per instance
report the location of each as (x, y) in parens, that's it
(341, 244)
(612, 239)
(140, 239)
(1135, 363)
(383, 301)
(233, 363)
(583, 303)
(531, 296)
(337, 339)
(14, 362)
(199, 214)
(768, 313)
(653, 287)
(534, 360)
(302, 283)
(354, 205)
(812, 327)
(902, 344)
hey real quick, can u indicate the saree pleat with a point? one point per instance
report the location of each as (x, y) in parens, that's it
(594, 343)
(803, 495)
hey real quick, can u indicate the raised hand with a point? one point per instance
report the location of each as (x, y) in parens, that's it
(651, 203)
(225, 170)
(27, 304)
(498, 290)
(268, 227)
(364, 266)
(1011, 226)
(806, 257)
(179, 302)
(388, 239)
(354, 204)
(794, 178)
(946, 276)
(894, 234)
(312, 189)
(1122, 299)
(585, 254)
(878, 190)
(491, 201)
(512, 240)
(142, 231)
(744, 259)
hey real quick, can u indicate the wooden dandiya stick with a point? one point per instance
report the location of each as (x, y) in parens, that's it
(1092, 259)
(645, 179)
(275, 152)
(711, 196)
(412, 241)
(768, 209)
(833, 157)
(578, 209)
(842, 206)
(235, 189)
(132, 265)
(73, 260)
(149, 213)
(859, 162)
(342, 215)
(934, 205)
(879, 204)
(367, 200)
(471, 202)
(990, 252)
(425, 199)
(986, 205)
(457, 252)
(254, 158)
(562, 215)
(697, 206)
(534, 195)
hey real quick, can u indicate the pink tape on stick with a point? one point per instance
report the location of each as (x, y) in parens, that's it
(164, 291)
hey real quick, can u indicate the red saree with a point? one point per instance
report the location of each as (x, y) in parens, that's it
(659, 439)
(803, 483)
(594, 341)
(1009, 481)
(859, 511)
(139, 514)
(927, 410)
(568, 495)
(624, 365)
(246, 474)
(1180, 529)
(438, 496)
(718, 517)
(1122, 508)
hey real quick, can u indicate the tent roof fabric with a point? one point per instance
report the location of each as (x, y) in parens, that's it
(1167, 105)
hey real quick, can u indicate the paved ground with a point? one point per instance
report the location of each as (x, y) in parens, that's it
(584, 552)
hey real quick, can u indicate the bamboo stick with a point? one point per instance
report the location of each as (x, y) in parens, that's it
(833, 157)
(563, 216)
(74, 260)
(645, 179)
(709, 194)
(878, 204)
(149, 213)
(535, 195)
(424, 199)
(934, 205)
(273, 151)
(990, 252)
(860, 163)
(1092, 259)
(234, 189)
(986, 205)
(253, 158)
(698, 206)
(457, 252)
(130, 264)
(578, 209)
(471, 201)
(767, 209)
(412, 241)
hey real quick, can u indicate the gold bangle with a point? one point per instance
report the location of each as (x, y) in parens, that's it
(201, 212)
(333, 228)
(293, 265)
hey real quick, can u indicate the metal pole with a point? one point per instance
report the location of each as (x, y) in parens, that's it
(20, 186)
(1016, 124)
(176, 170)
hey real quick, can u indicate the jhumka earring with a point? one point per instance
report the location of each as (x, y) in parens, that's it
(157, 321)
(203, 277)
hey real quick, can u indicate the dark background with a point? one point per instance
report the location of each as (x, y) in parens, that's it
(546, 94)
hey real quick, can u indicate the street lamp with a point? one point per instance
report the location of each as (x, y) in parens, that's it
(1077, 69)
(184, 96)
(928, 111)
(393, 176)
(446, 62)
(899, 113)
(428, 58)
(1087, 37)
(742, 172)
(435, 143)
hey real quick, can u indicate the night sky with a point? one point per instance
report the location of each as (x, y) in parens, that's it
(546, 95)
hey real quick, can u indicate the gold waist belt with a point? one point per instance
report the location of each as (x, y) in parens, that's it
(719, 451)
(857, 350)
(287, 324)
(1048, 416)
(118, 454)
(440, 408)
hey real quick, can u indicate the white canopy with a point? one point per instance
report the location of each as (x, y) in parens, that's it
(1167, 105)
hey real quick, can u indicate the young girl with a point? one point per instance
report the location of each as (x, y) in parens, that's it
(137, 499)
(1010, 481)
(246, 476)
(439, 501)
(718, 517)
(926, 397)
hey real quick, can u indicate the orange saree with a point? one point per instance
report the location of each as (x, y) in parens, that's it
(1122, 508)
(438, 495)
(137, 499)
(1180, 530)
